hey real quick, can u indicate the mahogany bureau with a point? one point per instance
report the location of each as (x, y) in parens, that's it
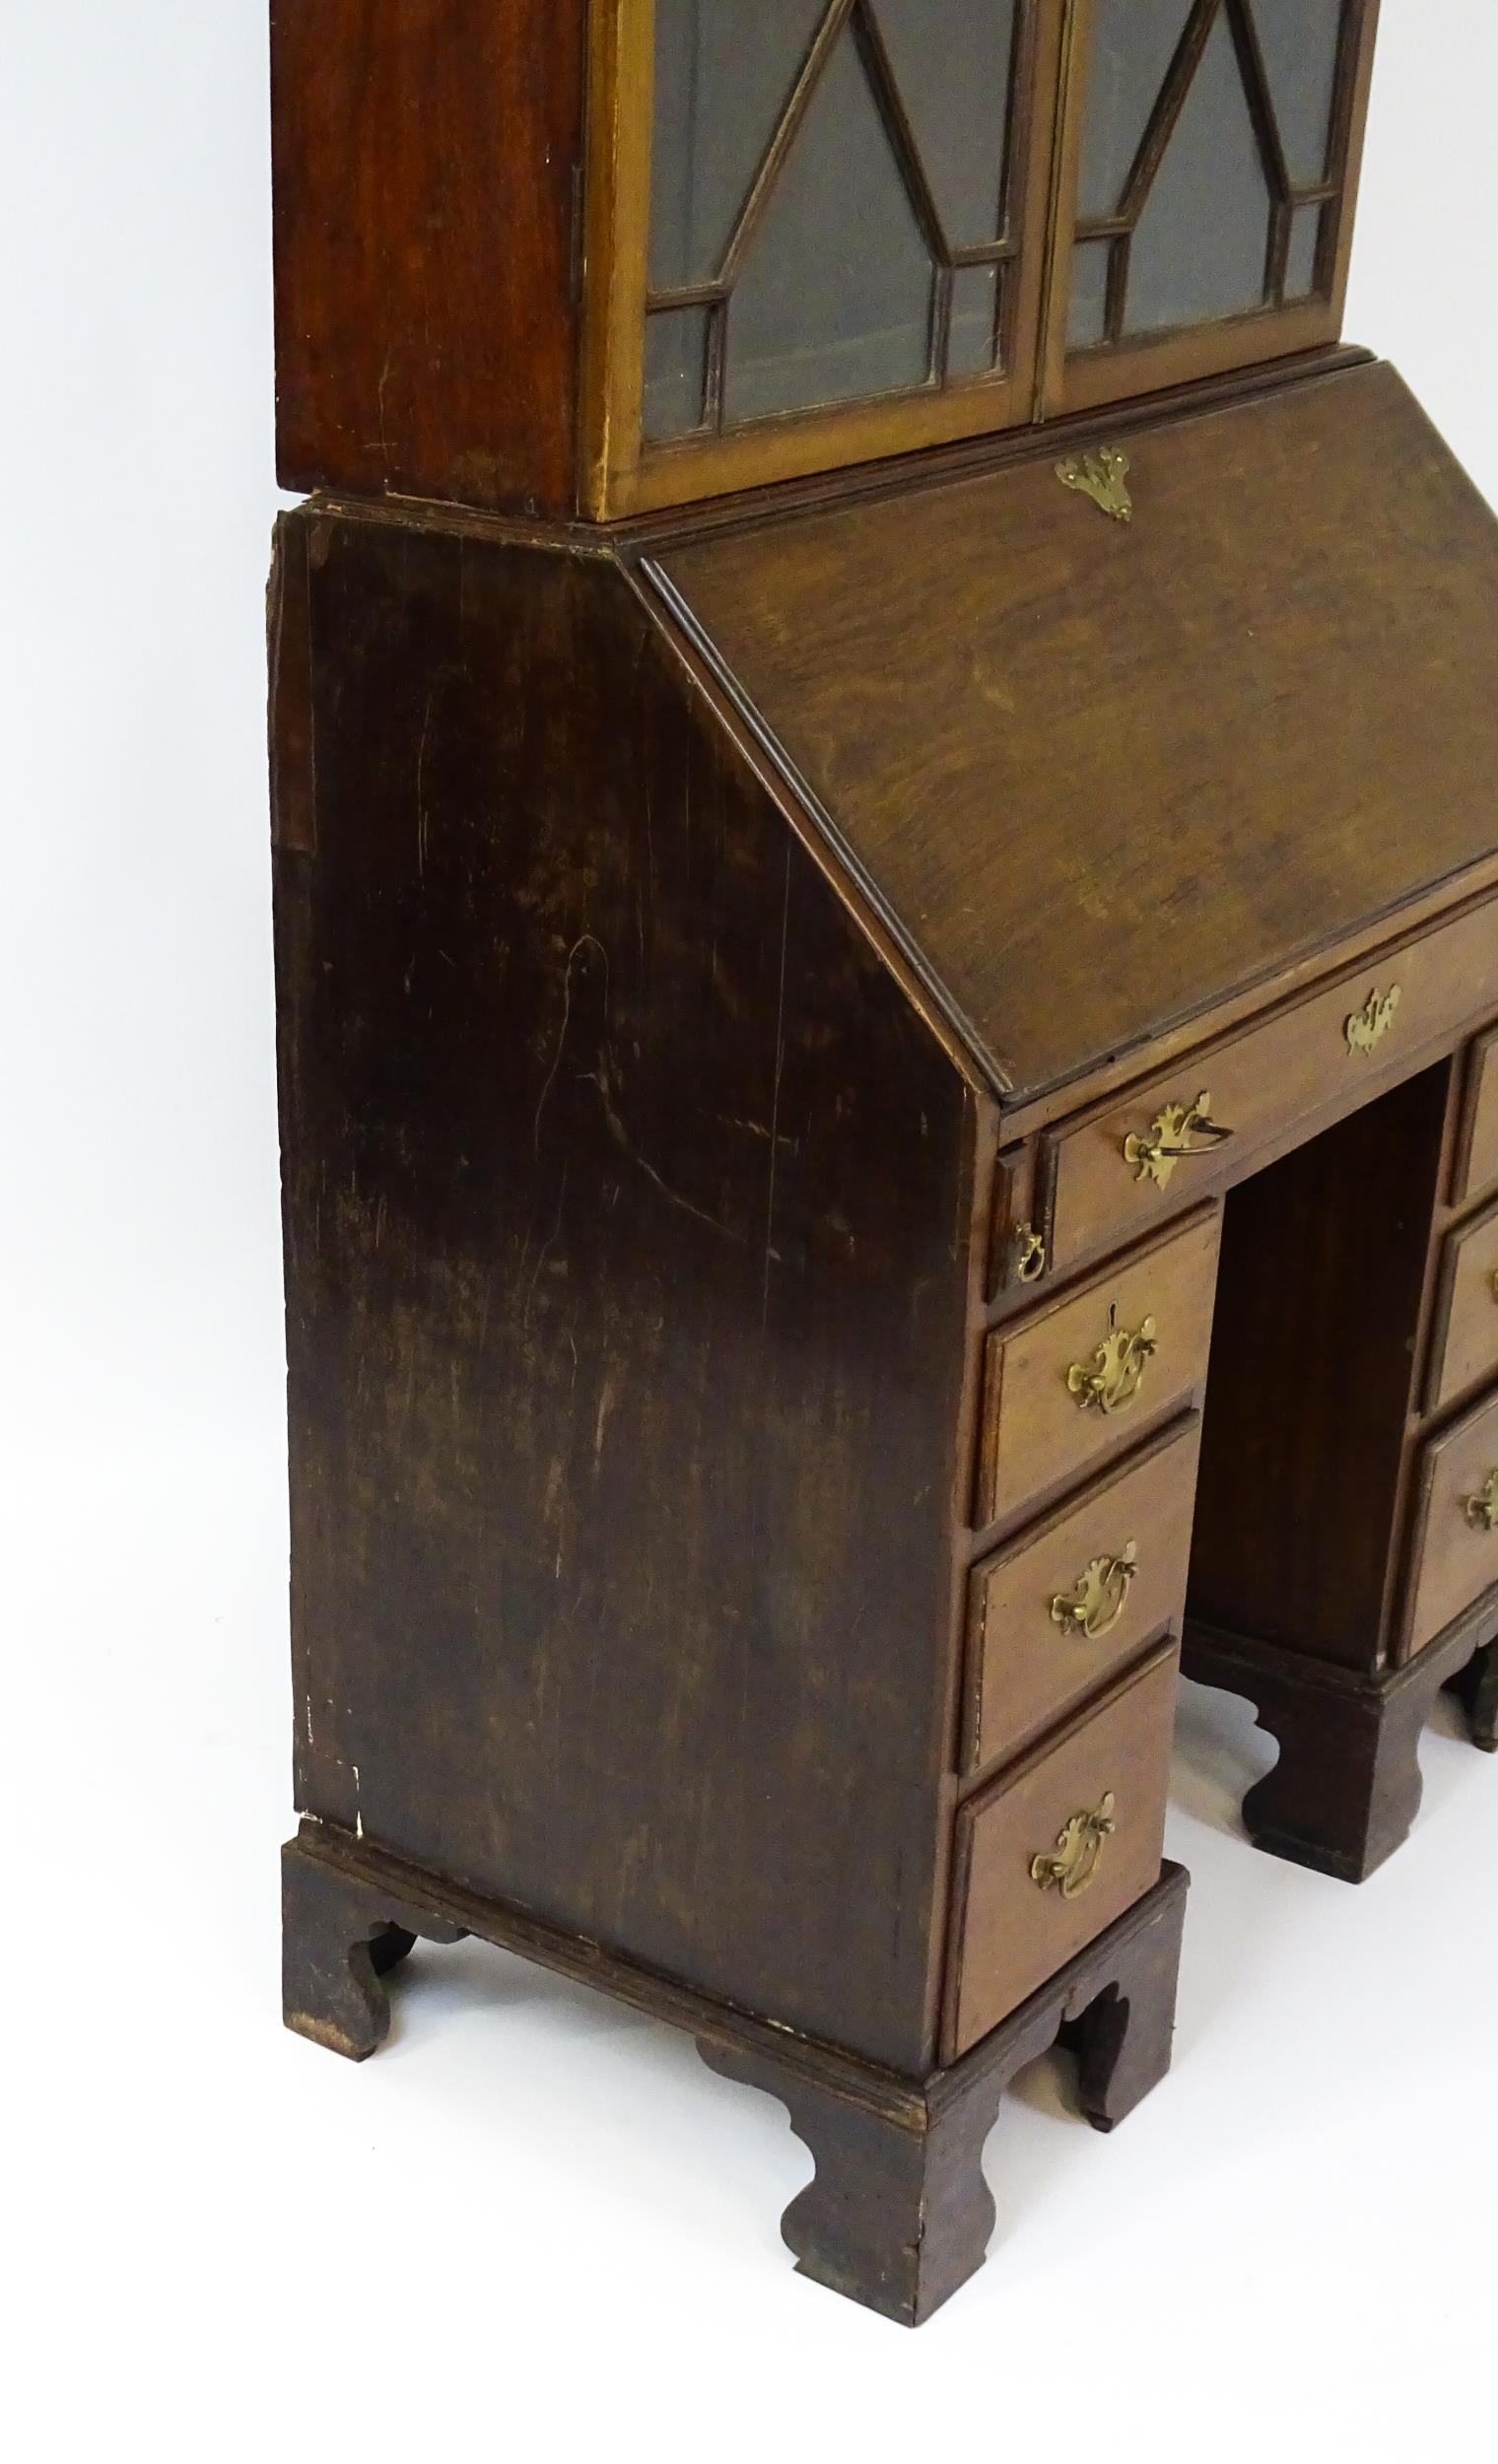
(887, 941)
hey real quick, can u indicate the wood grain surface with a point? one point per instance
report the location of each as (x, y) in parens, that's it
(1103, 775)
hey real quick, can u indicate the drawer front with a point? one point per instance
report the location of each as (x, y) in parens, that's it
(1071, 1386)
(1055, 1851)
(1477, 1146)
(1464, 1346)
(1068, 1605)
(1455, 1540)
(1117, 1172)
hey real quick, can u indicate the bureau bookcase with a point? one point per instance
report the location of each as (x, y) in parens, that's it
(887, 943)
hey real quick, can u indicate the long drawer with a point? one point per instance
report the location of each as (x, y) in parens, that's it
(1118, 1170)
(1059, 1847)
(1074, 1382)
(1060, 1610)
(1454, 1540)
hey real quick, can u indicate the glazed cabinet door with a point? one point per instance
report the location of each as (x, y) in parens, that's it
(1208, 162)
(824, 223)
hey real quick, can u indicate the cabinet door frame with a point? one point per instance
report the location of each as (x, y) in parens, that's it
(1088, 379)
(621, 474)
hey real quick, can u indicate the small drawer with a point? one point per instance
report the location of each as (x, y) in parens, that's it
(1476, 1166)
(1454, 1549)
(1115, 1172)
(1464, 1340)
(1057, 1849)
(1069, 1385)
(1068, 1605)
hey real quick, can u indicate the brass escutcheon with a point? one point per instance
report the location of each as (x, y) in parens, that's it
(1367, 1026)
(1103, 476)
(1074, 1862)
(1481, 1510)
(1111, 1378)
(1029, 1254)
(1178, 1132)
(1100, 1598)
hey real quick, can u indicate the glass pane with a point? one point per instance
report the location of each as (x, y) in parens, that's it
(675, 370)
(1299, 43)
(953, 62)
(724, 74)
(1300, 272)
(1086, 319)
(1202, 244)
(834, 300)
(972, 340)
(1134, 42)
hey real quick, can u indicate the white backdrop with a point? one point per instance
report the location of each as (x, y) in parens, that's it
(534, 2216)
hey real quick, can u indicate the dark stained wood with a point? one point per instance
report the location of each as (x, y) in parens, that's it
(1346, 1787)
(629, 1216)
(1476, 1689)
(338, 1946)
(898, 2216)
(1103, 775)
(428, 168)
(1311, 1381)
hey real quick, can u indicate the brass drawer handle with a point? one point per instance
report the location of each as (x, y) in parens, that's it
(1029, 1254)
(1111, 1378)
(1481, 1510)
(1100, 1598)
(1178, 1133)
(1074, 1862)
(1367, 1026)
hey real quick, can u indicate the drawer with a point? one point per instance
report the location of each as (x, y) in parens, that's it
(1069, 1385)
(1454, 1551)
(1057, 1849)
(1068, 1605)
(1477, 1167)
(1117, 1170)
(1464, 1340)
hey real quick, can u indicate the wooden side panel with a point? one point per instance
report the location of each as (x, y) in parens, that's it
(427, 174)
(629, 1212)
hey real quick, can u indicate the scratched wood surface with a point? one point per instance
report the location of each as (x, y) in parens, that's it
(628, 1212)
(427, 177)
(1107, 774)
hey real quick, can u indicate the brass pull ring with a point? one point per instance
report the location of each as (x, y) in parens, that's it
(1367, 1026)
(1111, 1379)
(1100, 1598)
(1074, 1862)
(1179, 1131)
(1481, 1510)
